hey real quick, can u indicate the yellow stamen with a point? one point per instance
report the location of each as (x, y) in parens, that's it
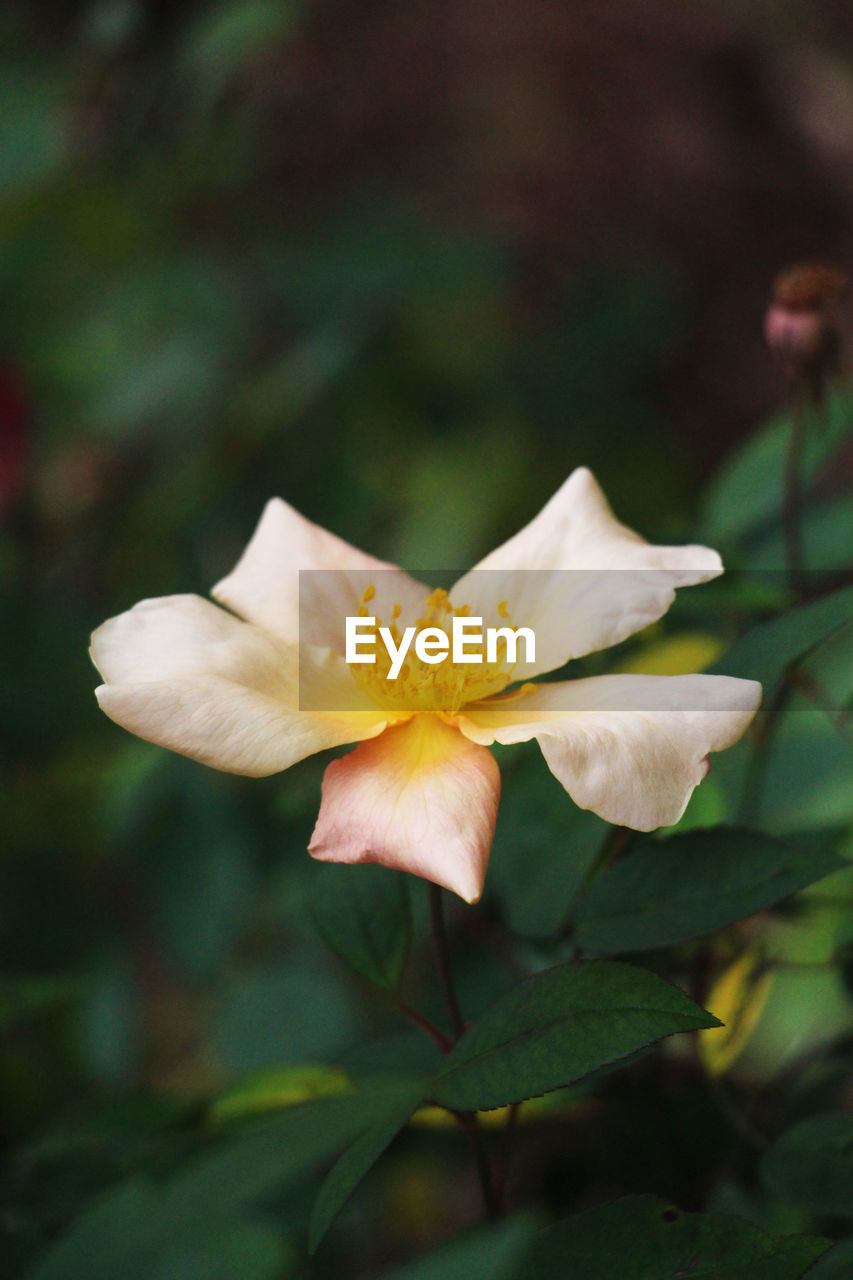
(442, 688)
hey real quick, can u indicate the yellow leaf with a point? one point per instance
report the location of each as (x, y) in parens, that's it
(282, 1087)
(738, 999)
(675, 655)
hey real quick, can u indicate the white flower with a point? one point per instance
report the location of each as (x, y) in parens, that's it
(420, 791)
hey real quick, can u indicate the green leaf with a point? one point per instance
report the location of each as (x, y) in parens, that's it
(826, 533)
(224, 1251)
(830, 667)
(359, 1158)
(667, 891)
(747, 491)
(492, 1253)
(131, 1233)
(645, 1238)
(145, 1229)
(768, 650)
(106, 1241)
(249, 1167)
(363, 914)
(812, 1164)
(807, 769)
(544, 847)
(558, 1026)
(837, 1264)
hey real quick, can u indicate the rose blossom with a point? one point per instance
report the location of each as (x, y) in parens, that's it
(238, 691)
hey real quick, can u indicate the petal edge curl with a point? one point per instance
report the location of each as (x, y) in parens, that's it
(595, 581)
(229, 726)
(630, 748)
(264, 585)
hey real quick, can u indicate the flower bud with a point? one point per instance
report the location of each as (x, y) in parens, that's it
(801, 325)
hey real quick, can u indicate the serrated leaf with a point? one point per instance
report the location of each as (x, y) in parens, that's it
(558, 1026)
(812, 1164)
(364, 915)
(359, 1158)
(665, 892)
(767, 651)
(645, 1238)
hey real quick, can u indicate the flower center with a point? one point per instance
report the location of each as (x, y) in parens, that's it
(440, 687)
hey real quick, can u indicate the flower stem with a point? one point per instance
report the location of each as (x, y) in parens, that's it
(442, 958)
(468, 1119)
(502, 1176)
(792, 515)
(490, 1199)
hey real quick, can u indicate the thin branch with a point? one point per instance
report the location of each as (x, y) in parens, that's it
(792, 504)
(444, 1043)
(502, 1174)
(442, 959)
(468, 1119)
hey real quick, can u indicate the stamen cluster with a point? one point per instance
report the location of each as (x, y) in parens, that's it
(421, 686)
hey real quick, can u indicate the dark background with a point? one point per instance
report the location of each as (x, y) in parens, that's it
(405, 264)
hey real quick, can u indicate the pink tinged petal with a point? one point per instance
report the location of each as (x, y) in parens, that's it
(420, 798)
(186, 675)
(580, 579)
(629, 747)
(264, 587)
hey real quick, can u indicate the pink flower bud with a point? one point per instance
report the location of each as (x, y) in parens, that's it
(801, 324)
(793, 336)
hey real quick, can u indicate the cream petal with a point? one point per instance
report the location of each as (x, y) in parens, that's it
(175, 637)
(179, 636)
(229, 726)
(185, 674)
(629, 747)
(420, 798)
(287, 550)
(580, 579)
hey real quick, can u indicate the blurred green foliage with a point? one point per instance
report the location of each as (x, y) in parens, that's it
(187, 335)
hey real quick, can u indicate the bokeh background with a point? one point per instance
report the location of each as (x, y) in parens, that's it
(405, 264)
